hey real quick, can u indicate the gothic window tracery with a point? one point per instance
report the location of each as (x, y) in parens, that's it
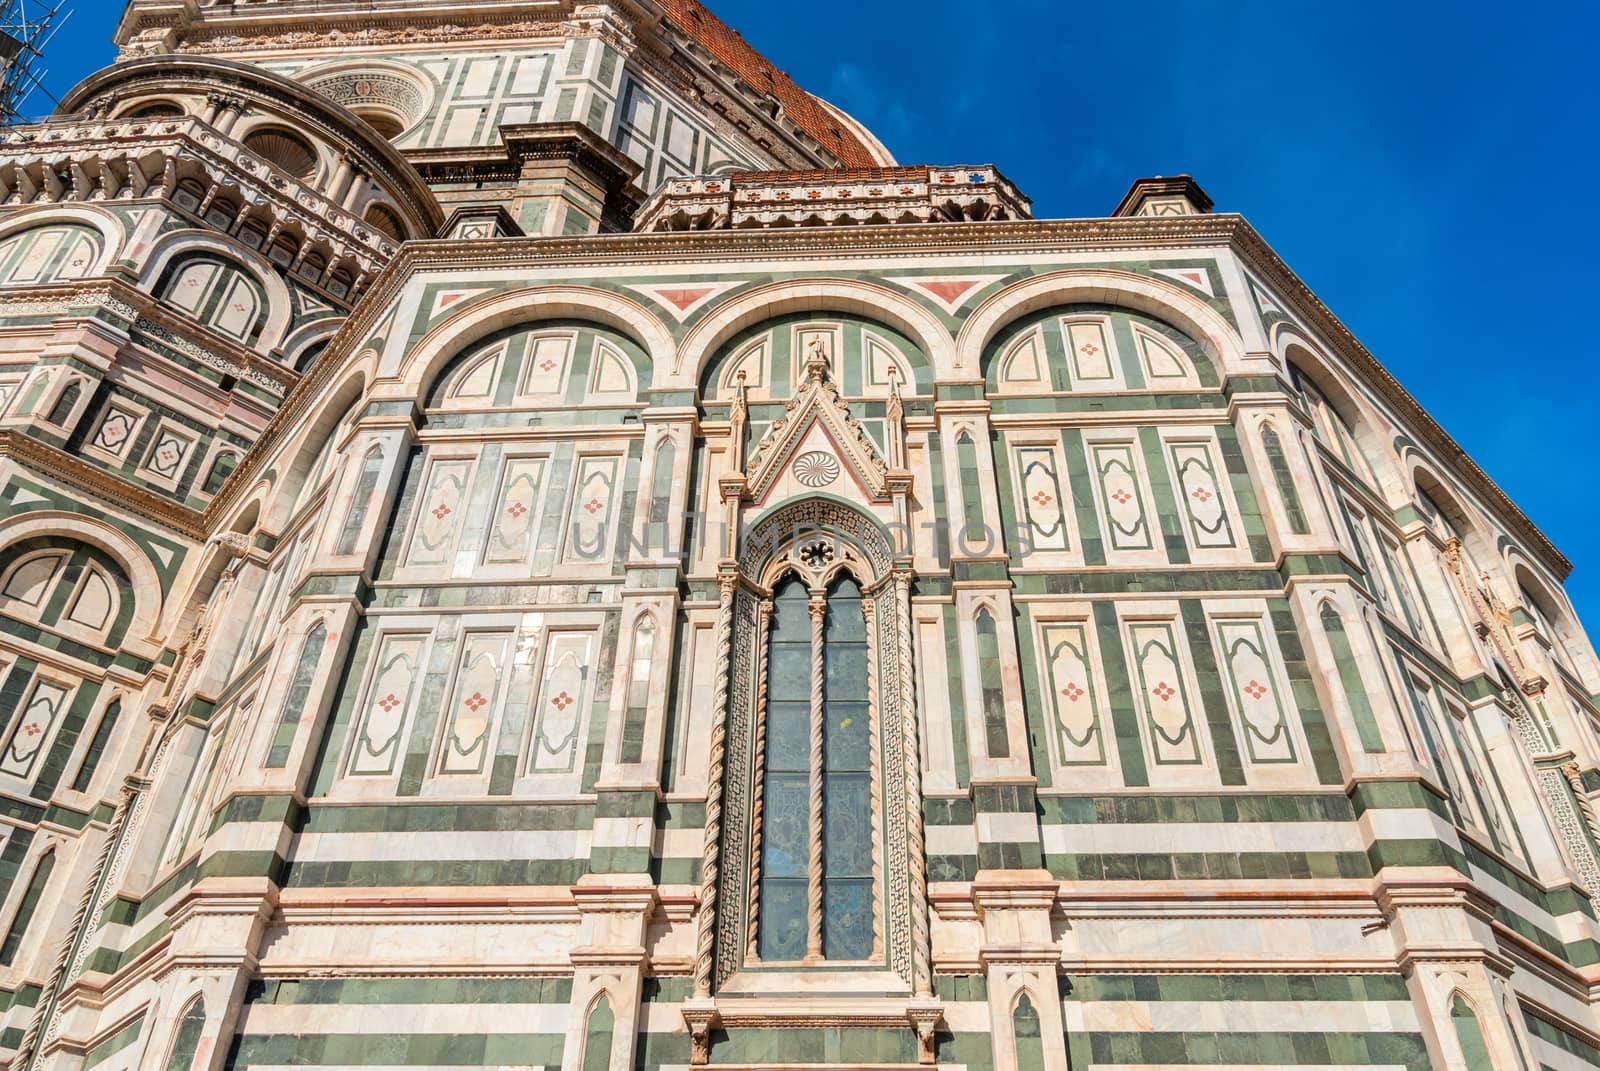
(815, 833)
(816, 858)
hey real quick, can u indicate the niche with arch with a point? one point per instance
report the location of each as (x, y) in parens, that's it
(216, 293)
(68, 587)
(1086, 348)
(549, 365)
(155, 109)
(54, 252)
(1335, 416)
(385, 221)
(388, 100)
(287, 151)
(864, 358)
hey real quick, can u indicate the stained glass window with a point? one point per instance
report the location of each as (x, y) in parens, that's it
(843, 777)
(847, 780)
(786, 826)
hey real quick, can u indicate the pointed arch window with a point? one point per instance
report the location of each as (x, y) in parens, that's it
(597, 1036)
(819, 761)
(633, 722)
(1025, 1029)
(299, 689)
(1278, 461)
(659, 533)
(221, 468)
(361, 501)
(1469, 1034)
(186, 1043)
(97, 746)
(29, 906)
(974, 533)
(996, 737)
(66, 402)
(1355, 689)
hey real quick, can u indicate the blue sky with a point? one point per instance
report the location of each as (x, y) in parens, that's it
(1425, 168)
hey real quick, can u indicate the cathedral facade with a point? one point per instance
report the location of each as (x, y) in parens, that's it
(527, 540)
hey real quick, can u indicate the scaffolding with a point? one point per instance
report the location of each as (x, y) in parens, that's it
(25, 29)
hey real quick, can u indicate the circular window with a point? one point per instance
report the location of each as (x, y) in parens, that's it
(387, 101)
(283, 150)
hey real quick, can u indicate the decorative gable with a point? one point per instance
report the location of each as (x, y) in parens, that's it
(817, 445)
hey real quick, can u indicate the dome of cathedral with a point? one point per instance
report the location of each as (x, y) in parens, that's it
(837, 132)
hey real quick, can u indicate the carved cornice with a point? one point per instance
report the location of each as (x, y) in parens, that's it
(101, 485)
(95, 149)
(172, 330)
(900, 195)
(355, 33)
(142, 314)
(612, 170)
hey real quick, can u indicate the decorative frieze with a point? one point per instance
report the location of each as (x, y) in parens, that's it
(874, 197)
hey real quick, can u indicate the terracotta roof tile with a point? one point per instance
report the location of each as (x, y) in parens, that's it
(735, 53)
